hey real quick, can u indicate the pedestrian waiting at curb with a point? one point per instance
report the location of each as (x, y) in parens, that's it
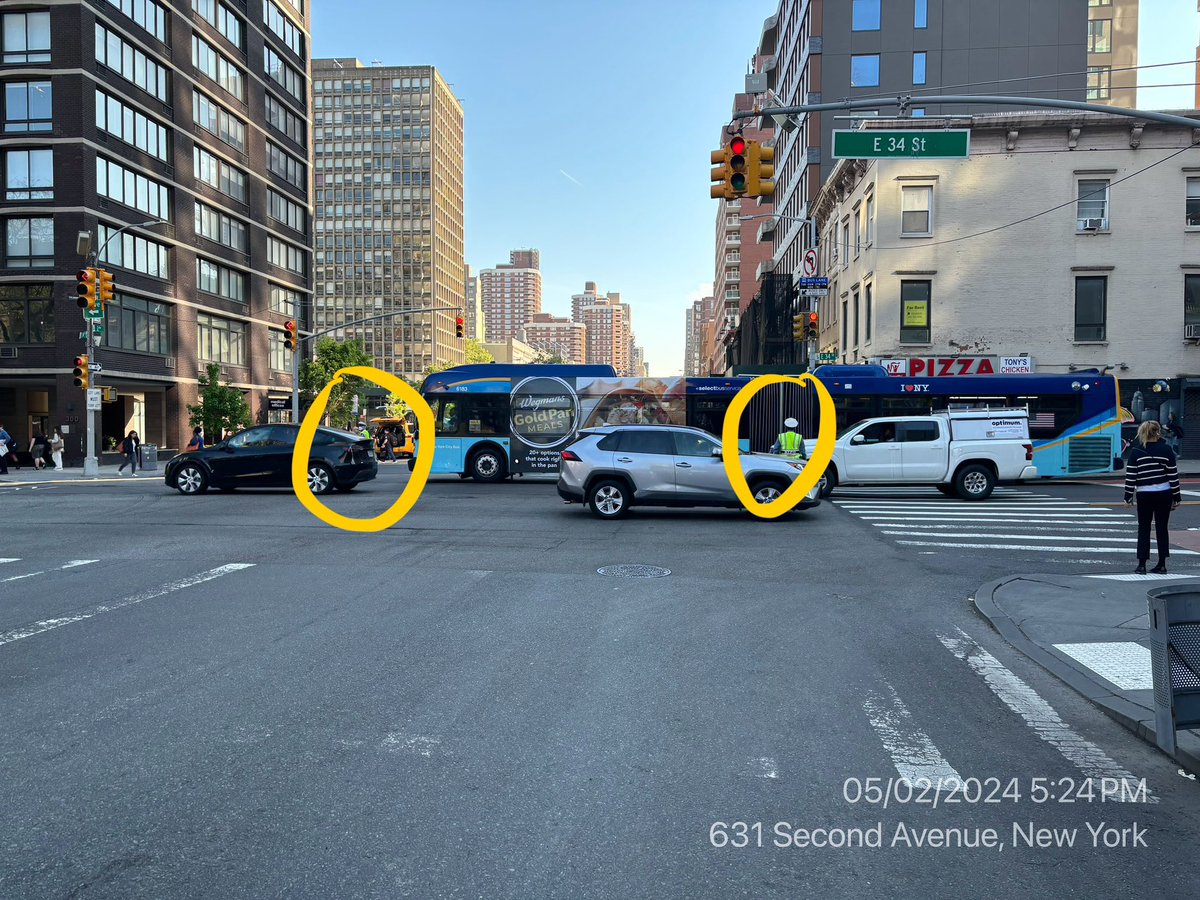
(1152, 478)
(129, 447)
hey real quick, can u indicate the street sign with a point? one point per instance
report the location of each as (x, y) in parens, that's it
(809, 267)
(94, 367)
(827, 357)
(98, 330)
(93, 314)
(814, 292)
(950, 143)
(93, 398)
(814, 282)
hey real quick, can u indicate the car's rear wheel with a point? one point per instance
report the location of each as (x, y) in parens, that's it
(320, 479)
(767, 491)
(609, 499)
(827, 483)
(487, 466)
(974, 482)
(191, 480)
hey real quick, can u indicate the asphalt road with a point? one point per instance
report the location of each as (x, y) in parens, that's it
(223, 697)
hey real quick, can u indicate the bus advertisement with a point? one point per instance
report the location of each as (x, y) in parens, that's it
(496, 420)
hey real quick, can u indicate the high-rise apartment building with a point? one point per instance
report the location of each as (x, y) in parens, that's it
(388, 179)
(556, 335)
(1112, 52)
(474, 309)
(175, 135)
(511, 294)
(588, 298)
(696, 319)
(609, 329)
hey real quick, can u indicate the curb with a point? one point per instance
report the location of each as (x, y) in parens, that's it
(1138, 719)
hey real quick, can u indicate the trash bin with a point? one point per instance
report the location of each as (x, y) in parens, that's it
(149, 460)
(1175, 660)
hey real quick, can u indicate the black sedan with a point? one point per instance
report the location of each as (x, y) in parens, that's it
(261, 456)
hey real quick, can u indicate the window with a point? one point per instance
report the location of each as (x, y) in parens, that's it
(285, 301)
(283, 210)
(27, 106)
(122, 57)
(696, 445)
(29, 175)
(216, 120)
(286, 166)
(1091, 301)
(1099, 2)
(918, 112)
(1191, 299)
(26, 38)
(133, 323)
(132, 189)
(870, 219)
(214, 171)
(29, 243)
(870, 311)
(657, 441)
(916, 203)
(283, 74)
(1099, 36)
(285, 256)
(26, 314)
(919, 432)
(845, 321)
(281, 356)
(217, 226)
(219, 68)
(919, 67)
(1092, 207)
(131, 251)
(915, 312)
(858, 231)
(864, 71)
(213, 278)
(865, 15)
(220, 340)
(846, 244)
(921, 14)
(1099, 82)
(1192, 211)
(127, 124)
(297, 5)
(150, 15)
(856, 318)
(219, 16)
(279, 23)
(285, 121)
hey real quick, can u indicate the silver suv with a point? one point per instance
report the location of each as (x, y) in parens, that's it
(613, 468)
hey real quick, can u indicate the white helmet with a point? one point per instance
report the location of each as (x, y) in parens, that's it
(790, 423)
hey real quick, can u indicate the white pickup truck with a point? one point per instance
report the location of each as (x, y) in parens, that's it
(964, 452)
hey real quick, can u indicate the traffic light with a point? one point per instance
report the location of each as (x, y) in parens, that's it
(86, 289)
(104, 287)
(798, 328)
(760, 169)
(458, 326)
(730, 173)
(289, 336)
(812, 326)
(81, 372)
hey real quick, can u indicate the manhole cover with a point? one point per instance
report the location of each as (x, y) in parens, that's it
(634, 571)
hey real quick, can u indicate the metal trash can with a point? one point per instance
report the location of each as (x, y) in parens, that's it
(149, 460)
(1175, 660)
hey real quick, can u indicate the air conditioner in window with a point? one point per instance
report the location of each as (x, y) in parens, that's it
(1091, 224)
(1191, 332)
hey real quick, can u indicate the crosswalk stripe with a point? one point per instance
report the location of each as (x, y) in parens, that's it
(923, 528)
(959, 504)
(1039, 549)
(914, 755)
(10, 559)
(1020, 537)
(1041, 716)
(875, 520)
(75, 563)
(25, 631)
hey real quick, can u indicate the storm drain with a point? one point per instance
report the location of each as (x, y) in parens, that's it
(634, 571)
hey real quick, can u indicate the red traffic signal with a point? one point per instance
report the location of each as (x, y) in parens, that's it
(738, 145)
(80, 372)
(458, 326)
(289, 338)
(86, 288)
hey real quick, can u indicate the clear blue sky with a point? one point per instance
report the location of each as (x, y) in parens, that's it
(627, 99)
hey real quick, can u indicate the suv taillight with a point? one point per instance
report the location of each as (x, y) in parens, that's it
(571, 456)
(1028, 451)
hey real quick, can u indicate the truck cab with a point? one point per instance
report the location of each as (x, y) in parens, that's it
(964, 452)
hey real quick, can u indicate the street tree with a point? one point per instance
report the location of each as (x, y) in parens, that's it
(332, 355)
(222, 408)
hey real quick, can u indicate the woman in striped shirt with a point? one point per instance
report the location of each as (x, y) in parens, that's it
(1151, 476)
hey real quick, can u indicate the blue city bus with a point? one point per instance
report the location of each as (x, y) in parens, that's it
(494, 421)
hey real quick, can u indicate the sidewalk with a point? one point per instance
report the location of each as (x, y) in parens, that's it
(1092, 632)
(27, 475)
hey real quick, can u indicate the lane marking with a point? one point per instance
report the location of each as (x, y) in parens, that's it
(914, 755)
(1039, 715)
(10, 559)
(71, 565)
(949, 526)
(25, 631)
(1039, 549)
(1125, 663)
(1147, 576)
(904, 520)
(1020, 537)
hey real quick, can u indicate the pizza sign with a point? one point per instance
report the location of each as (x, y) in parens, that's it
(938, 366)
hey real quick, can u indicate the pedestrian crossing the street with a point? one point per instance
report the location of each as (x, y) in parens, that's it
(1011, 520)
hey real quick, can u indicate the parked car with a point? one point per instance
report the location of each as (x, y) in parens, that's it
(613, 468)
(964, 452)
(261, 456)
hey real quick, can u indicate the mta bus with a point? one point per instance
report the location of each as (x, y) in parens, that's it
(494, 421)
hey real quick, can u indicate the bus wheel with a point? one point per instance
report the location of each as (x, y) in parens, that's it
(487, 466)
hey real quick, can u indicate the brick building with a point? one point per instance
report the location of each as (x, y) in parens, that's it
(176, 135)
(556, 334)
(511, 294)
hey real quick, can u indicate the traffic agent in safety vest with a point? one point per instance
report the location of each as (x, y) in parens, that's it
(790, 443)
